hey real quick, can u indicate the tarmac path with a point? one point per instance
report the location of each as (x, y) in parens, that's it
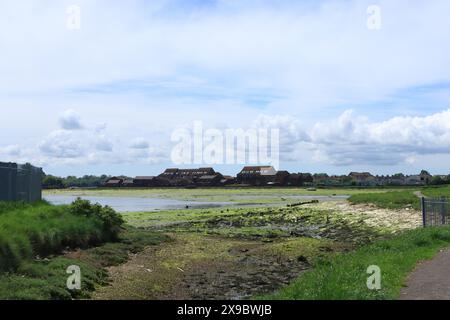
(430, 280)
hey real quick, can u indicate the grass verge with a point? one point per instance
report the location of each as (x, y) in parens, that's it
(28, 231)
(388, 200)
(344, 276)
(45, 279)
(38, 242)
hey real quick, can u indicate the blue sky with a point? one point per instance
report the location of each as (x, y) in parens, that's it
(344, 97)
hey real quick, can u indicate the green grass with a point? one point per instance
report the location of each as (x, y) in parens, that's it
(344, 276)
(261, 223)
(437, 191)
(28, 231)
(388, 200)
(45, 279)
(33, 235)
(131, 240)
(400, 199)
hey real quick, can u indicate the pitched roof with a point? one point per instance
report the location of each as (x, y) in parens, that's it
(144, 178)
(256, 168)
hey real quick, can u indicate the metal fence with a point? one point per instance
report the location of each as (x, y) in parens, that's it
(435, 211)
(20, 182)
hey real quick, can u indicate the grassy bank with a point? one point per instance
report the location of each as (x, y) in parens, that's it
(400, 199)
(45, 279)
(437, 191)
(344, 275)
(35, 240)
(28, 231)
(388, 200)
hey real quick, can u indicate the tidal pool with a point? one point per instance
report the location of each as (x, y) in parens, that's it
(136, 204)
(145, 204)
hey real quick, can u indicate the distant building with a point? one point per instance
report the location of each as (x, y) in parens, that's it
(256, 175)
(128, 183)
(425, 177)
(144, 181)
(114, 182)
(209, 180)
(227, 180)
(281, 178)
(362, 178)
(266, 176)
(300, 179)
(320, 179)
(169, 173)
(181, 177)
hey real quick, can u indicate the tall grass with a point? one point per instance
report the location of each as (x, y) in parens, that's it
(345, 275)
(437, 191)
(388, 200)
(28, 231)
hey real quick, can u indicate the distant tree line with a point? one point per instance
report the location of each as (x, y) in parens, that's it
(87, 181)
(282, 178)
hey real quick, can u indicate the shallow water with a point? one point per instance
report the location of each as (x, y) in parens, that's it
(135, 204)
(294, 197)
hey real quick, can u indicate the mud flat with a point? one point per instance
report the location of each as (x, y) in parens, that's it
(237, 253)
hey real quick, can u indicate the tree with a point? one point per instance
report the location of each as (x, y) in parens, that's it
(52, 182)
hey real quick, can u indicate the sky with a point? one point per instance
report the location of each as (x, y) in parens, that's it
(103, 87)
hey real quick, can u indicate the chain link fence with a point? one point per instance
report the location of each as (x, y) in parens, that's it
(20, 182)
(435, 211)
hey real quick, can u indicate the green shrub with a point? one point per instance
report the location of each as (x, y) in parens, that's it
(41, 229)
(112, 221)
(39, 280)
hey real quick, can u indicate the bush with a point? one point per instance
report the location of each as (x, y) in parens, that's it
(112, 221)
(41, 229)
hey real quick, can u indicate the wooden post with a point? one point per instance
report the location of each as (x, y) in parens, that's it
(424, 212)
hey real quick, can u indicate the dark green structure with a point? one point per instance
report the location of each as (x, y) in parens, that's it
(20, 182)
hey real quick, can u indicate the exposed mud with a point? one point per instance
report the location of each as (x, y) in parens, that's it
(250, 274)
(221, 255)
(200, 267)
(273, 223)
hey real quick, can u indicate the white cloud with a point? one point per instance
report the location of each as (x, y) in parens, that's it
(11, 150)
(139, 143)
(62, 144)
(70, 120)
(102, 143)
(354, 140)
(145, 67)
(98, 146)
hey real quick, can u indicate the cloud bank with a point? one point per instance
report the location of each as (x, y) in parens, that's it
(113, 91)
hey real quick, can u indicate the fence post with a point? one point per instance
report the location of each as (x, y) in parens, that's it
(424, 212)
(443, 210)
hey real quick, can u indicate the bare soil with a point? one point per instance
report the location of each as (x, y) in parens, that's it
(200, 265)
(176, 270)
